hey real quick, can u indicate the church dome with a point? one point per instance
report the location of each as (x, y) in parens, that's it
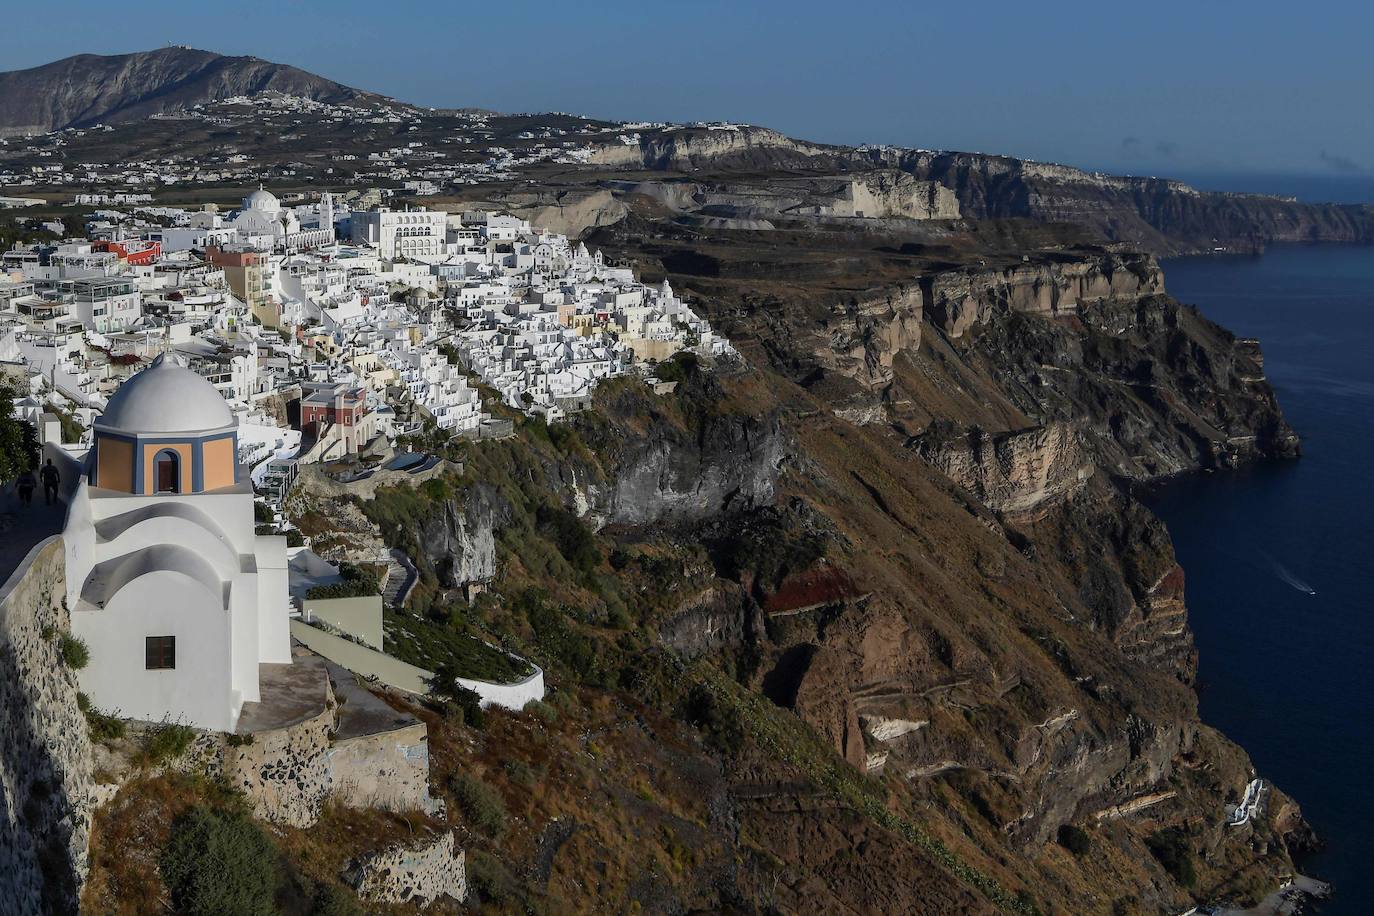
(262, 199)
(166, 398)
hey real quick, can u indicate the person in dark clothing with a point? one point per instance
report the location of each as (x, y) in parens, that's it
(51, 478)
(25, 486)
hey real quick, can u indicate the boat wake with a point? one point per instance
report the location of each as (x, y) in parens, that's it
(1282, 572)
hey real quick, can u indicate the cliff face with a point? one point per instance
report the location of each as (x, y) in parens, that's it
(957, 300)
(1156, 214)
(686, 148)
(91, 89)
(997, 625)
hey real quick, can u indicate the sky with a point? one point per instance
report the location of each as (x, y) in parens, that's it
(1163, 88)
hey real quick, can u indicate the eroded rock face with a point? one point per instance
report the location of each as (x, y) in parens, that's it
(460, 541)
(417, 874)
(1014, 471)
(956, 301)
(733, 463)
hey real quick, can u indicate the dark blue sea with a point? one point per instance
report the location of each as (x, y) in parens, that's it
(1279, 557)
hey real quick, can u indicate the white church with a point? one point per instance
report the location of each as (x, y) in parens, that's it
(176, 596)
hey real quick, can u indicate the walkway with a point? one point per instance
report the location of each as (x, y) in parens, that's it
(22, 528)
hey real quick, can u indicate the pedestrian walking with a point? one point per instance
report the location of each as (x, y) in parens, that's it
(51, 478)
(25, 486)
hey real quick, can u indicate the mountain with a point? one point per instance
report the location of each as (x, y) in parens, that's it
(92, 89)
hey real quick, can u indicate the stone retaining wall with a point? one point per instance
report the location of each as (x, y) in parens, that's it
(45, 754)
(419, 874)
(389, 770)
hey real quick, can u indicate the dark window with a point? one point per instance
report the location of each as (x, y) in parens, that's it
(161, 652)
(168, 467)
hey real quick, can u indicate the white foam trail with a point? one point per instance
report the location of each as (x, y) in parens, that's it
(1288, 577)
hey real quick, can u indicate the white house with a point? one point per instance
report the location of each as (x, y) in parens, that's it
(176, 596)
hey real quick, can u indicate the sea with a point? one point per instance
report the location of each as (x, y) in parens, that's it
(1278, 557)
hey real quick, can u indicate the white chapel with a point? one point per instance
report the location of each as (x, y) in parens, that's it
(177, 597)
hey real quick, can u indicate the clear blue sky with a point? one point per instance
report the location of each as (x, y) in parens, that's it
(1154, 87)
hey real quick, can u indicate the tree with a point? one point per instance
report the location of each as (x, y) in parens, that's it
(18, 439)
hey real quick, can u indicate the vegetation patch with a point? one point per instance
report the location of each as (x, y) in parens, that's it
(217, 862)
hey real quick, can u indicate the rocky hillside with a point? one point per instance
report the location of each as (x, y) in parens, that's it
(868, 621)
(92, 89)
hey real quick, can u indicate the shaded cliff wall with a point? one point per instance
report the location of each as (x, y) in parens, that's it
(45, 754)
(956, 300)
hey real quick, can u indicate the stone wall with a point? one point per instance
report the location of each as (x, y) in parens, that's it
(389, 770)
(45, 754)
(419, 874)
(285, 772)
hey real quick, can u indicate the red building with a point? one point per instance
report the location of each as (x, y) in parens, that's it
(339, 413)
(137, 252)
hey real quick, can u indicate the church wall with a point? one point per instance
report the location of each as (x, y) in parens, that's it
(217, 463)
(115, 464)
(161, 603)
(274, 637)
(45, 755)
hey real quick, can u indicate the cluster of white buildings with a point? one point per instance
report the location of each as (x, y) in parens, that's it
(379, 321)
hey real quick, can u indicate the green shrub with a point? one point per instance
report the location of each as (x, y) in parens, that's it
(444, 685)
(355, 583)
(571, 536)
(220, 863)
(543, 710)
(480, 803)
(1074, 839)
(490, 878)
(334, 900)
(101, 726)
(1172, 849)
(521, 773)
(294, 538)
(75, 654)
(166, 742)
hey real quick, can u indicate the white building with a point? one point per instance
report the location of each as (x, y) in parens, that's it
(177, 598)
(401, 233)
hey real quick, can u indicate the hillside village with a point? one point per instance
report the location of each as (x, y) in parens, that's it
(180, 374)
(389, 319)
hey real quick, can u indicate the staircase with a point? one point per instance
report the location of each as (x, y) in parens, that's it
(401, 576)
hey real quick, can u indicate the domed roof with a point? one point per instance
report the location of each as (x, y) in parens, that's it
(166, 398)
(262, 199)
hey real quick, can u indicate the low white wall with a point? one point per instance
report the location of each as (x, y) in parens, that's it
(360, 617)
(395, 673)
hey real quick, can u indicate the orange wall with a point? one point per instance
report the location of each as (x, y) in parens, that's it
(115, 470)
(150, 451)
(217, 467)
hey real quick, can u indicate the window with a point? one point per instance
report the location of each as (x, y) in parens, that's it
(160, 652)
(167, 471)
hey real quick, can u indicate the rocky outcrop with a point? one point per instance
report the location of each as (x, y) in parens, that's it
(45, 754)
(731, 462)
(417, 874)
(92, 89)
(957, 300)
(1012, 471)
(460, 540)
(687, 148)
(891, 193)
(865, 335)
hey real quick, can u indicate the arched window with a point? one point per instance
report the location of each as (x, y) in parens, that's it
(167, 471)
